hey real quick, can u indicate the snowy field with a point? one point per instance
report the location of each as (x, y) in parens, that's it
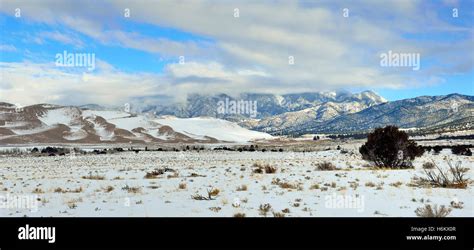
(115, 185)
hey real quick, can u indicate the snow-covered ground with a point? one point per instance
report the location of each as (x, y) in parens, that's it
(297, 188)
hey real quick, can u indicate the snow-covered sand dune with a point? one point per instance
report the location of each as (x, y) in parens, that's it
(56, 124)
(223, 130)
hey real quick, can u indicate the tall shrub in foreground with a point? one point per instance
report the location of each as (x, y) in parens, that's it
(390, 148)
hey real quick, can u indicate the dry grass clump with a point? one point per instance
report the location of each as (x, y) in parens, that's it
(370, 184)
(153, 174)
(60, 190)
(325, 166)
(354, 185)
(95, 176)
(196, 175)
(396, 184)
(278, 214)
(239, 215)
(242, 188)
(259, 168)
(182, 185)
(71, 205)
(429, 211)
(286, 185)
(109, 189)
(215, 209)
(453, 177)
(264, 209)
(157, 172)
(211, 194)
(133, 190)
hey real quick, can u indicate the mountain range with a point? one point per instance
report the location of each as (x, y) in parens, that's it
(198, 120)
(331, 112)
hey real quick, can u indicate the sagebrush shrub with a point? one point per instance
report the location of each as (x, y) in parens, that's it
(453, 177)
(429, 211)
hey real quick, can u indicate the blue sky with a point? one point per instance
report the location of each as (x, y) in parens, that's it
(138, 56)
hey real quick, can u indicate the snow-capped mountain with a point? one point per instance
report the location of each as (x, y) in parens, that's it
(318, 113)
(44, 123)
(323, 104)
(425, 112)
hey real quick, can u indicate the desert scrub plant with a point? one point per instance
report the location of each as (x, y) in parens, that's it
(242, 188)
(239, 215)
(158, 171)
(370, 184)
(77, 190)
(325, 166)
(211, 194)
(182, 185)
(396, 184)
(461, 150)
(108, 189)
(259, 168)
(196, 175)
(153, 174)
(133, 190)
(428, 165)
(429, 211)
(390, 148)
(270, 169)
(354, 185)
(71, 205)
(215, 209)
(278, 214)
(95, 176)
(437, 149)
(287, 185)
(60, 190)
(264, 209)
(454, 177)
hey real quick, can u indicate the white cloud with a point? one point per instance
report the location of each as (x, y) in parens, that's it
(192, 69)
(32, 83)
(65, 38)
(250, 53)
(7, 47)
